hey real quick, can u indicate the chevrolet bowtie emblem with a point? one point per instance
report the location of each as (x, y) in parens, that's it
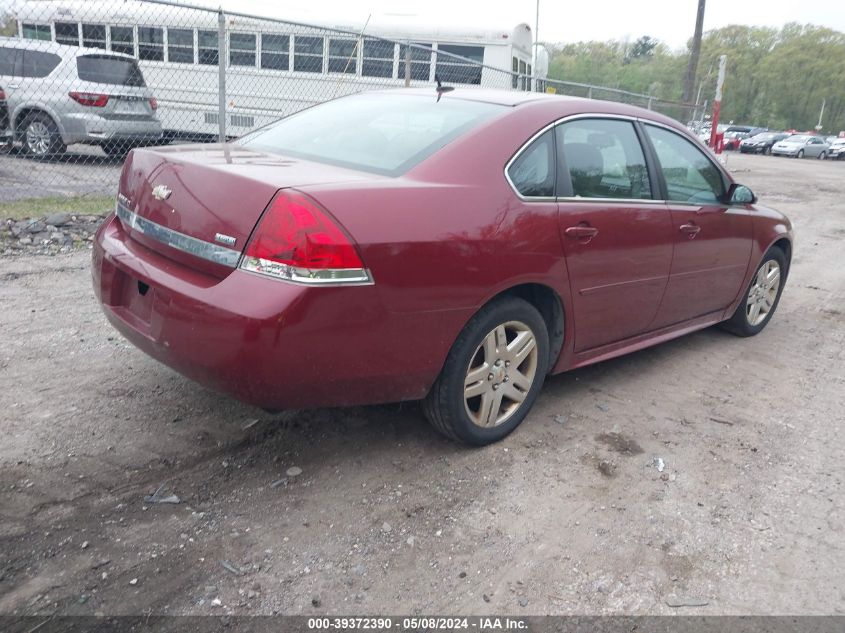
(161, 192)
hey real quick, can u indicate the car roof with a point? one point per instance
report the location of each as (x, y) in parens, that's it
(63, 50)
(555, 105)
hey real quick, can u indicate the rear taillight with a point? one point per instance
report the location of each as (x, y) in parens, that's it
(153, 103)
(297, 240)
(90, 99)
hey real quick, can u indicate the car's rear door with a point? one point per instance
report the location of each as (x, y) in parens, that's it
(712, 239)
(617, 236)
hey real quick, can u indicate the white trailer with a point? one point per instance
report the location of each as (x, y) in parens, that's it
(272, 67)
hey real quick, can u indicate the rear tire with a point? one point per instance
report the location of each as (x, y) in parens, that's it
(492, 375)
(41, 138)
(117, 149)
(761, 297)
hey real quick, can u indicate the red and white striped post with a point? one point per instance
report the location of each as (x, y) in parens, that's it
(717, 104)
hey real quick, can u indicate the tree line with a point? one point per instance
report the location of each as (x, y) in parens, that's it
(775, 78)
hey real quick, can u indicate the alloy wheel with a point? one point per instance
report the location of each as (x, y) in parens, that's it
(763, 293)
(38, 138)
(500, 374)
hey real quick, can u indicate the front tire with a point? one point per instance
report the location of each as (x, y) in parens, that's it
(492, 375)
(800, 154)
(41, 138)
(762, 296)
(823, 155)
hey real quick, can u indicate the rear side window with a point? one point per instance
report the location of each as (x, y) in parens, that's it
(533, 172)
(105, 69)
(39, 63)
(690, 176)
(376, 133)
(604, 159)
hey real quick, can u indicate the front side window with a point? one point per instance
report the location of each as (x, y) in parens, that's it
(67, 33)
(533, 173)
(94, 35)
(378, 59)
(376, 133)
(39, 64)
(308, 54)
(208, 53)
(8, 59)
(36, 31)
(122, 39)
(180, 46)
(275, 51)
(151, 43)
(459, 71)
(689, 174)
(242, 49)
(604, 159)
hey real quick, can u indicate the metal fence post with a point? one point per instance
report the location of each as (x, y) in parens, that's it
(650, 102)
(408, 64)
(221, 74)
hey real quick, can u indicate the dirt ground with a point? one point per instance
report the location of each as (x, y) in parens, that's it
(569, 515)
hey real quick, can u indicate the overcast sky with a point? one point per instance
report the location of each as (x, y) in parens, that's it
(672, 21)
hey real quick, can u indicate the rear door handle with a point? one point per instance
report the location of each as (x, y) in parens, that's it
(581, 231)
(691, 230)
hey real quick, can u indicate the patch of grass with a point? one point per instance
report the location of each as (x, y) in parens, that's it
(38, 207)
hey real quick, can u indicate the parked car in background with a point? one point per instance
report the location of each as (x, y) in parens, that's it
(397, 246)
(761, 143)
(5, 130)
(801, 145)
(58, 95)
(837, 149)
(732, 140)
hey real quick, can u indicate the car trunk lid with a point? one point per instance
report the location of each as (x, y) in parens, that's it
(198, 204)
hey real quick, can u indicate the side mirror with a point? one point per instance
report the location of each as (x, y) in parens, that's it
(740, 194)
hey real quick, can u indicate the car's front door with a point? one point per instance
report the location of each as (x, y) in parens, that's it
(712, 239)
(815, 146)
(617, 237)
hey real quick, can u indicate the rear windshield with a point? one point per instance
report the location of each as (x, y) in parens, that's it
(106, 69)
(386, 134)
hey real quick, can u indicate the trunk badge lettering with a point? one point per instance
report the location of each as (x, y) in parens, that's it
(228, 240)
(161, 192)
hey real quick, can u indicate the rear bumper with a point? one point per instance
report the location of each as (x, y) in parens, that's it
(92, 128)
(266, 342)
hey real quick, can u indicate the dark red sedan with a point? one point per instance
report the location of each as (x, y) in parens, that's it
(396, 246)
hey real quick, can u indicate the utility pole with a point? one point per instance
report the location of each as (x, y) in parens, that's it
(695, 52)
(821, 114)
(717, 102)
(536, 44)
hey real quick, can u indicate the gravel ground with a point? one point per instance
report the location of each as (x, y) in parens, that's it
(84, 170)
(368, 510)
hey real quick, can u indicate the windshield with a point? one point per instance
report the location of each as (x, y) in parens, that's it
(106, 69)
(382, 133)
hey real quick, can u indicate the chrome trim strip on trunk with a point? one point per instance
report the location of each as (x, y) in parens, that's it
(181, 242)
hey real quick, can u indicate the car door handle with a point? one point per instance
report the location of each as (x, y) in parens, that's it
(691, 230)
(581, 231)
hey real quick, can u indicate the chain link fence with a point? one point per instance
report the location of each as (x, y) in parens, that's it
(86, 81)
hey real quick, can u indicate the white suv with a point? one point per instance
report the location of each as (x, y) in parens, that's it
(58, 95)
